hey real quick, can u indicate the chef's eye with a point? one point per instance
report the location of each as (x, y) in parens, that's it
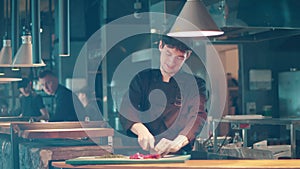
(180, 57)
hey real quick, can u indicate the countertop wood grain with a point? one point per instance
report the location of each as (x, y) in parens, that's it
(196, 164)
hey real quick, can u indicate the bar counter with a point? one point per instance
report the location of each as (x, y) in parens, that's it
(62, 140)
(195, 164)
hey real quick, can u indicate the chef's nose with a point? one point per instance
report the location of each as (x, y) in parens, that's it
(172, 60)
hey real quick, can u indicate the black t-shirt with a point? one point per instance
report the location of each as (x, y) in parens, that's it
(66, 105)
(31, 105)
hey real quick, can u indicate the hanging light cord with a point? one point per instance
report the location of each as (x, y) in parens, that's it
(165, 17)
(26, 24)
(6, 20)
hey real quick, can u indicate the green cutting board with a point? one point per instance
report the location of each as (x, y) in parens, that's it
(126, 160)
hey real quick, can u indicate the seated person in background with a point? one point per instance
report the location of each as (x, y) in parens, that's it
(32, 104)
(92, 112)
(67, 106)
(3, 108)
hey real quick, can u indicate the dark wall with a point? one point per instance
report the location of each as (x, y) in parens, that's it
(2, 26)
(279, 13)
(278, 55)
(84, 21)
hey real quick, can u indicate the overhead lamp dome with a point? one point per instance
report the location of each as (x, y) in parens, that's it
(6, 53)
(24, 57)
(194, 21)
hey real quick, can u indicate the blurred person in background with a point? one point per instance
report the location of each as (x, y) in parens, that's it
(91, 111)
(66, 103)
(31, 103)
(3, 108)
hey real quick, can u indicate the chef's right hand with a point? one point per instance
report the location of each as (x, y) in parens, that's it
(145, 138)
(163, 146)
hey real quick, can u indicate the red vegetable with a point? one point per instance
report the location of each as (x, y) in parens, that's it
(142, 156)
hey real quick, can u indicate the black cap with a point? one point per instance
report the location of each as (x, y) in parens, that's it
(24, 83)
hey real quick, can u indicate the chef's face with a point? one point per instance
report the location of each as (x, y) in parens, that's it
(49, 84)
(171, 59)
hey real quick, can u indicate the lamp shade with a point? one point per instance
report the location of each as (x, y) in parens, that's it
(24, 57)
(6, 54)
(9, 75)
(194, 21)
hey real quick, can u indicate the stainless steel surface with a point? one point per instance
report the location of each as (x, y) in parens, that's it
(245, 136)
(267, 120)
(293, 123)
(289, 94)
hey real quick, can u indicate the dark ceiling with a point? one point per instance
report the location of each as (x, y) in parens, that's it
(241, 20)
(248, 20)
(255, 20)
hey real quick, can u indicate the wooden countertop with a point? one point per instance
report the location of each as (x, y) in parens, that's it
(196, 164)
(13, 118)
(57, 129)
(5, 126)
(67, 133)
(52, 130)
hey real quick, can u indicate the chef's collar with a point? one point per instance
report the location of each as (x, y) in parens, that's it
(158, 76)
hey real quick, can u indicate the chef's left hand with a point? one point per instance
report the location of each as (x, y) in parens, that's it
(165, 146)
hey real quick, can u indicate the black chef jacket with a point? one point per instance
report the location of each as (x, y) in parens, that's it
(165, 108)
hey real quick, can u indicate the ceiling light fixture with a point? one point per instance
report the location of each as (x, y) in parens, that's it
(6, 73)
(25, 56)
(6, 51)
(194, 21)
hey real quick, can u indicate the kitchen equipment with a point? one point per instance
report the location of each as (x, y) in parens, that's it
(289, 94)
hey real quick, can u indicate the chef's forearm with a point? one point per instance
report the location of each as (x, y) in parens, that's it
(192, 131)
